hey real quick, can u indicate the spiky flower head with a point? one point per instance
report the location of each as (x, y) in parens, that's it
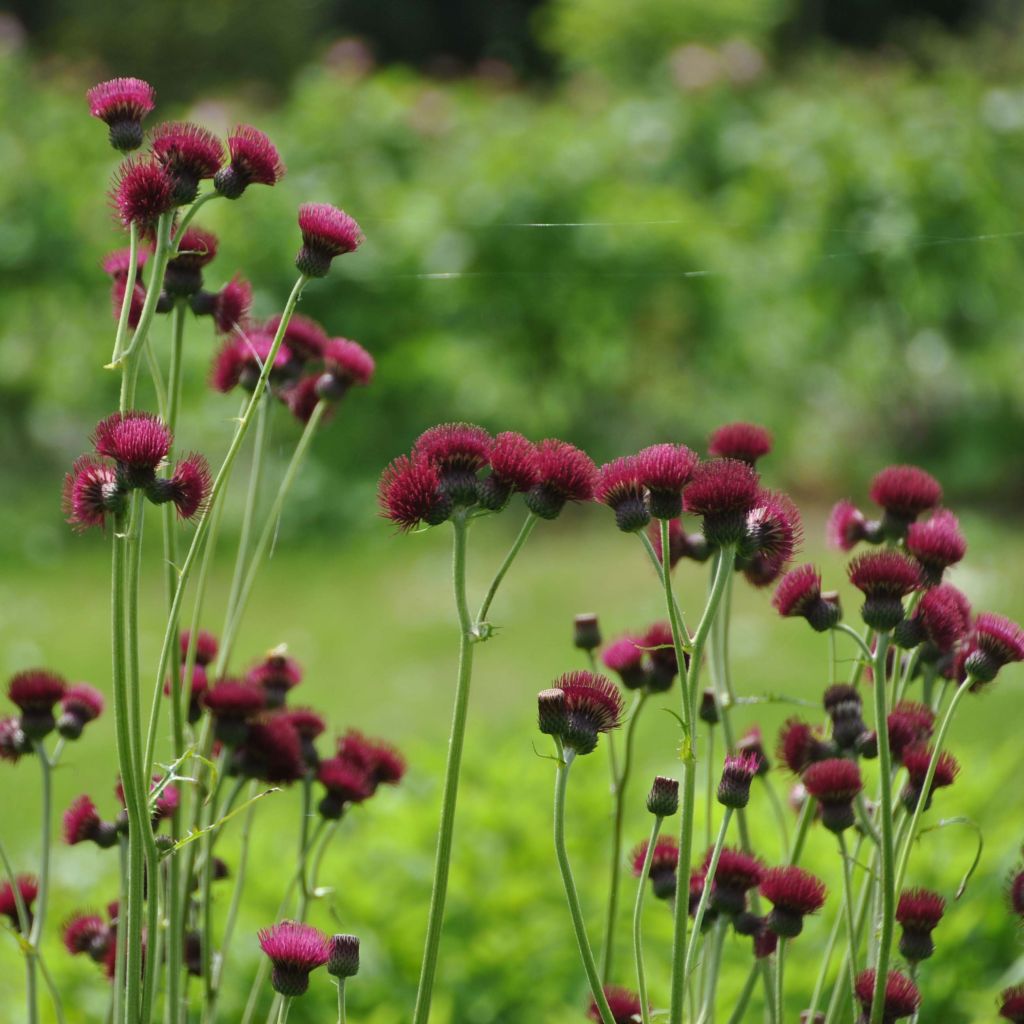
(254, 160)
(737, 774)
(909, 724)
(188, 487)
(619, 486)
(901, 997)
(137, 441)
(665, 469)
(663, 799)
(624, 1005)
(752, 742)
(327, 232)
(240, 361)
(936, 543)
(625, 657)
(664, 864)
(1011, 1004)
(514, 463)
(800, 745)
(28, 890)
(564, 473)
(916, 760)
(459, 451)
(189, 153)
(410, 493)
(799, 594)
(737, 873)
(232, 305)
(143, 191)
(35, 691)
(847, 526)
(774, 531)
(844, 706)
(304, 336)
(944, 615)
(835, 784)
(884, 578)
(86, 933)
(996, 641)
(919, 912)
(346, 783)
(294, 950)
(379, 761)
(276, 674)
(593, 705)
(344, 959)
(904, 492)
(206, 646)
(746, 442)
(232, 703)
(119, 262)
(91, 492)
(346, 365)
(271, 751)
(723, 492)
(121, 104)
(794, 893)
(82, 823)
(80, 705)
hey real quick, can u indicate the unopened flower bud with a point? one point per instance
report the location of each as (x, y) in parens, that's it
(587, 632)
(344, 961)
(663, 799)
(551, 712)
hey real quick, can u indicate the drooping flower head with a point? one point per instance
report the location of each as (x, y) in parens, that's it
(664, 863)
(625, 657)
(909, 724)
(665, 469)
(737, 873)
(295, 950)
(327, 232)
(188, 487)
(793, 893)
(916, 760)
(746, 442)
(142, 192)
(619, 486)
(624, 1005)
(232, 704)
(410, 493)
(137, 441)
(232, 305)
(996, 642)
(514, 468)
(592, 705)
(847, 526)
(723, 492)
(564, 473)
(379, 761)
(346, 783)
(919, 912)
(799, 594)
(737, 774)
(28, 890)
(774, 531)
(254, 160)
(834, 783)
(91, 492)
(458, 451)
(901, 995)
(884, 578)
(276, 674)
(80, 705)
(35, 691)
(904, 492)
(240, 361)
(800, 745)
(86, 933)
(184, 275)
(346, 365)
(936, 543)
(189, 153)
(121, 104)
(941, 621)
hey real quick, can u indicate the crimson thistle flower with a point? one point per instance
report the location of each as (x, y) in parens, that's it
(624, 1005)
(28, 889)
(799, 594)
(188, 487)
(35, 692)
(232, 704)
(746, 442)
(800, 745)
(197, 686)
(346, 783)
(295, 950)
(663, 666)
(680, 544)
(142, 193)
(380, 762)
(774, 531)
(410, 493)
(847, 526)
(271, 751)
(722, 492)
(86, 933)
(884, 578)
(458, 451)
(564, 474)
(737, 873)
(937, 544)
(276, 674)
(514, 470)
(620, 488)
(137, 441)
(1011, 1004)
(996, 642)
(909, 724)
(197, 248)
(942, 619)
(82, 823)
(231, 306)
(835, 784)
(904, 492)
(625, 657)
(665, 469)
(206, 646)
(346, 365)
(664, 865)
(901, 999)
(304, 336)
(309, 725)
(916, 760)
(189, 153)
(592, 705)
(793, 893)
(121, 104)
(240, 360)
(919, 912)
(253, 161)
(327, 232)
(80, 705)
(737, 774)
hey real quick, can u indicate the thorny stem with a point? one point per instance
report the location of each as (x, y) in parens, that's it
(435, 918)
(129, 289)
(638, 907)
(517, 545)
(705, 895)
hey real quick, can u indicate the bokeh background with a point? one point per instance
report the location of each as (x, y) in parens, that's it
(612, 223)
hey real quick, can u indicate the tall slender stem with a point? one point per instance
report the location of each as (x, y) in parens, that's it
(803, 823)
(517, 545)
(619, 796)
(709, 788)
(566, 756)
(129, 290)
(638, 907)
(780, 1001)
(848, 911)
(707, 1013)
(442, 863)
(705, 896)
(341, 1001)
(888, 886)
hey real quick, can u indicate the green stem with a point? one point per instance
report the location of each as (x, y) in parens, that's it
(779, 814)
(286, 1005)
(638, 907)
(826, 962)
(780, 1002)
(705, 896)
(888, 886)
(196, 206)
(659, 569)
(517, 545)
(117, 997)
(565, 759)
(707, 1014)
(341, 1001)
(865, 650)
(129, 290)
(24, 927)
(709, 788)
(621, 784)
(848, 911)
(803, 823)
(442, 864)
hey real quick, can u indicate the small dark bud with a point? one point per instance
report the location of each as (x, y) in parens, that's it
(785, 923)
(165, 303)
(70, 726)
(663, 799)
(331, 388)
(229, 184)
(708, 708)
(493, 494)
(344, 961)
(551, 714)
(867, 744)
(826, 613)
(586, 632)
(882, 613)
(916, 945)
(746, 923)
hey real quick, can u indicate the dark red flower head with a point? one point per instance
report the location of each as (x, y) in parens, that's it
(916, 760)
(327, 232)
(303, 335)
(164, 805)
(835, 783)
(240, 361)
(206, 646)
(936, 543)
(909, 724)
(232, 305)
(513, 470)
(592, 704)
(624, 1005)
(85, 933)
(308, 723)
(346, 783)
(137, 441)
(232, 704)
(799, 594)
(846, 526)
(793, 893)
(188, 486)
(118, 263)
(774, 532)
(276, 674)
(800, 745)
(254, 161)
(752, 742)
(905, 492)
(294, 950)
(944, 614)
(91, 491)
(303, 396)
(13, 741)
(746, 442)
(189, 153)
(564, 473)
(620, 488)
(271, 751)
(348, 363)
(379, 761)
(1011, 1004)
(919, 911)
(884, 578)
(81, 821)
(664, 862)
(1015, 890)
(999, 638)
(143, 191)
(80, 705)
(665, 469)
(458, 451)
(901, 995)
(737, 774)
(410, 493)
(35, 691)
(625, 657)
(121, 104)
(723, 492)
(736, 874)
(28, 889)
(197, 248)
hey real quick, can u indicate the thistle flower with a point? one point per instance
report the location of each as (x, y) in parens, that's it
(723, 492)
(232, 704)
(410, 493)
(13, 741)
(142, 192)
(774, 531)
(232, 305)
(344, 959)
(663, 666)
(514, 470)
(345, 783)
(28, 889)
(737, 873)
(240, 361)
(121, 104)
(586, 633)
(664, 864)
(835, 784)
(189, 153)
(82, 823)
(458, 451)
(276, 674)
(916, 760)
(909, 724)
(35, 691)
(165, 804)
(625, 658)
(309, 725)
(847, 526)
(379, 761)
(799, 594)
(737, 774)
(302, 397)
(746, 442)
(904, 492)
(188, 487)
(184, 275)
(86, 933)
(135, 307)
(765, 940)
(996, 642)
(1011, 1004)
(206, 646)
(253, 161)
(137, 441)
(844, 706)
(197, 686)
(793, 893)
(901, 995)
(884, 578)
(800, 745)
(665, 469)
(327, 232)
(271, 751)
(620, 488)
(90, 492)
(945, 616)
(346, 365)
(192, 953)
(937, 544)
(564, 473)
(919, 912)
(593, 705)
(80, 705)
(663, 799)
(624, 1005)
(304, 336)
(118, 263)
(295, 950)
